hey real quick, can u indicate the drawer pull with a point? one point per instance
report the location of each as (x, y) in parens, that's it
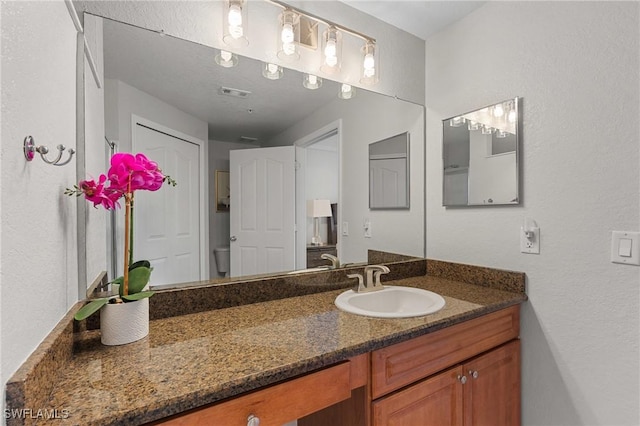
(253, 420)
(462, 379)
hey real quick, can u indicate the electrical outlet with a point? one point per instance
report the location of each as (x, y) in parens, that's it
(345, 229)
(530, 242)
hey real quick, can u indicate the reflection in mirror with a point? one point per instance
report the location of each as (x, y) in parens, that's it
(480, 156)
(170, 99)
(389, 173)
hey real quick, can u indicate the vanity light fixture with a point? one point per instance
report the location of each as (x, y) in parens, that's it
(487, 130)
(289, 33)
(272, 71)
(331, 50)
(347, 91)
(235, 23)
(226, 59)
(511, 117)
(312, 82)
(456, 121)
(369, 63)
(498, 111)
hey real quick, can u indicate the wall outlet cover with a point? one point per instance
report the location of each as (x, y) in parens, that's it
(531, 244)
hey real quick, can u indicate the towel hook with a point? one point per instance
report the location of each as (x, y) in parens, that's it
(30, 150)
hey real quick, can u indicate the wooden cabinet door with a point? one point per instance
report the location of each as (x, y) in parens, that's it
(492, 390)
(436, 401)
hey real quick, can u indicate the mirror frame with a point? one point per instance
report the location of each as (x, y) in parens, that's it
(517, 105)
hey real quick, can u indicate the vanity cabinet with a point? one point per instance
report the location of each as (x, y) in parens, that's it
(467, 374)
(483, 391)
(283, 402)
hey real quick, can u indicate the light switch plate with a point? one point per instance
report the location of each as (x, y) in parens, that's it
(345, 229)
(623, 237)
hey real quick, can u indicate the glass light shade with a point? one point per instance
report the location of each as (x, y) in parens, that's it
(487, 130)
(347, 91)
(272, 71)
(473, 125)
(370, 63)
(456, 121)
(234, 21)
(226, 59)
(501, 134)
(288, 36)
(312, 82)
(331, 51)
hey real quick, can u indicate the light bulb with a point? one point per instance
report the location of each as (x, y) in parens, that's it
(487, 130)
(346, 92)
(226, 56)
(312, 79)
(512, 116)
(369, 62)
(288, 48)
(330, 49)
(498, 111)
(272, 68)
(311, 82)
(287, 34)
(235, 15)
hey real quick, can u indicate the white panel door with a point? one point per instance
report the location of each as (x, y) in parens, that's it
(167, 221)
(262, 211)
(389, 182)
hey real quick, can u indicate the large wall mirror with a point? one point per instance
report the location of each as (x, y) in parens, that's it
(169, 98)
(480, 156)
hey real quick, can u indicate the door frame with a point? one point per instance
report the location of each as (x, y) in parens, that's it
(301, 205)
(204, 183)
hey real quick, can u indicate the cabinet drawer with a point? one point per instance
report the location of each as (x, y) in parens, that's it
(280, 403)
(404, 363)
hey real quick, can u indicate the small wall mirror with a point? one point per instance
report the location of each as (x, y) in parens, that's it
(389, 173)
(480, 156)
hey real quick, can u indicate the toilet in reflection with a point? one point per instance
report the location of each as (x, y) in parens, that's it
(223, 260)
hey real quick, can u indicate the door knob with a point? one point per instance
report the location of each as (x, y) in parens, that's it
(462, 379)
(233, 238)
(253, 420)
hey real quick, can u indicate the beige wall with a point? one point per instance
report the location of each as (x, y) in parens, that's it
(576, 65)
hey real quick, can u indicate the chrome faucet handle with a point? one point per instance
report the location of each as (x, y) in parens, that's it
(360, 288)
(376, 274)
(335, 262)
(373, 273)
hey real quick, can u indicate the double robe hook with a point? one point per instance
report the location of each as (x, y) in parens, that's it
(30, 150)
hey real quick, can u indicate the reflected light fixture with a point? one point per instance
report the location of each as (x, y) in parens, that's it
(456, 121)
(369, 62)
(289, 26)
(332, 50)
(226, 59)
(511, 117)
(347, 91)
(312, 82)
(473, 125)
(235, 23)
(498, 111)
(501, 134)
(487, 130)
(272, 71)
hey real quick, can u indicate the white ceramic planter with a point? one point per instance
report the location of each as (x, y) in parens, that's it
(123, 323)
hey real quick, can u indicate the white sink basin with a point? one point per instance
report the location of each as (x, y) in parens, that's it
(391, 302)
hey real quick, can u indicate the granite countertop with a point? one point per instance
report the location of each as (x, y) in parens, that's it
(192, 360)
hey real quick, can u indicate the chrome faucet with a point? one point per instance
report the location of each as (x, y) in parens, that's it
(335, 262)
(372, 274)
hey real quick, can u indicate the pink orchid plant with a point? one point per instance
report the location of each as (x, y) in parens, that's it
(128, 173)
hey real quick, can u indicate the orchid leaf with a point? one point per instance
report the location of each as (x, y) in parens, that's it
(138, 296)
(138, 279)
(90, 308)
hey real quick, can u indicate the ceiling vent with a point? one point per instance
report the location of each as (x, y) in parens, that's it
(236, 93)
(247, 139)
